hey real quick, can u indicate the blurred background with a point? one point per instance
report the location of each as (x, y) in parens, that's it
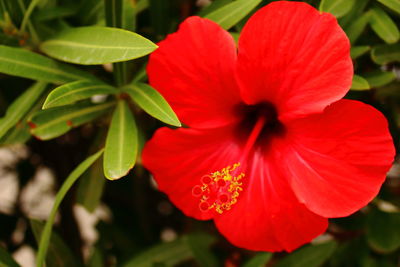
(128, 222)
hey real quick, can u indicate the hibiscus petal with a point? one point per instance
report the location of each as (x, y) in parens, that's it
(179, 158)
(339, 159)
(295, 57)
(194, 70)
(267, 216)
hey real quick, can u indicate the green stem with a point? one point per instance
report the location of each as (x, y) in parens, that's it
(26, 21)
(71, 179)
(114, 18)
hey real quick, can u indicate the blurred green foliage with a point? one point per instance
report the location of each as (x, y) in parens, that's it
(37, 34)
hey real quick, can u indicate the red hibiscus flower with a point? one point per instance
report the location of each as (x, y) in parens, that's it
(270, 151)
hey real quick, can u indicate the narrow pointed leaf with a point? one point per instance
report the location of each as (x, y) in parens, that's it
(357, 27)
(73, 92)
(213, 6)
(359, 83)
(385, 54)
(69, 181)
(309, 256)
(6, 260)
(21, 106)
(121, 143)
(97, 45)
(60, 254)
(357, 51)
(152, 102)
(51, 123)
(384, 26)
(379, 78)
(91, 187)
(392, 4)
(27, 64)
(338, 8)
(230, 14)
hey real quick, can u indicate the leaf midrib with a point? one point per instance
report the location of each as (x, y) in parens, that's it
(72, 115)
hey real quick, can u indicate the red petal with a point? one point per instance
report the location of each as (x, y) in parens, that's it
(194, 70)
(267, 216)
(339, 159)
(178, 159)
(294, 56)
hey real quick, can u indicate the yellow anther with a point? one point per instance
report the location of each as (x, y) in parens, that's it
(219, 190)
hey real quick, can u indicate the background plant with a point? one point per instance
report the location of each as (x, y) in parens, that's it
(87, 119)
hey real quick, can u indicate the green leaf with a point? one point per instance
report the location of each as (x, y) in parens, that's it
(97, 45)
(357, 51)
(6, 260)
(309, 256)
(384, 26)
(379, 78)
(359, 83)
(199, 245)
(357, 27)
(21, 106)
(384, 54)
(260, 260)
(152, 102)
(338, 8)
(170, 254)
(91, 187)
(59, 253)
(230, 14)
(26, 64)
(383, 231)
(73, 92)
(121, 143)
(392, 4)
(213, 6)
(56, 12)
(71, 179)
(51, 123)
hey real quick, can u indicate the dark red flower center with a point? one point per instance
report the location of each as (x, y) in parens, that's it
(251, 114)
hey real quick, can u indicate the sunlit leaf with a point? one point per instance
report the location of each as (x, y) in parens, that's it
(383, 231)
(152, 102)
(309, 256)
(53, 122)
(230, 14)
(73, 92)
(357, 51)
(59, 253)
(121, 143)
(357, 27)
(338, 8)
(213, 6)
(24, 63)
(97, 45)
(21, 106)
(379, 78)
(359, 83)
(392, 4)
(384, 26)
(384, 54)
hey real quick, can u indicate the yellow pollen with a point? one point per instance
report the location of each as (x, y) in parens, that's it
(219, 190)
